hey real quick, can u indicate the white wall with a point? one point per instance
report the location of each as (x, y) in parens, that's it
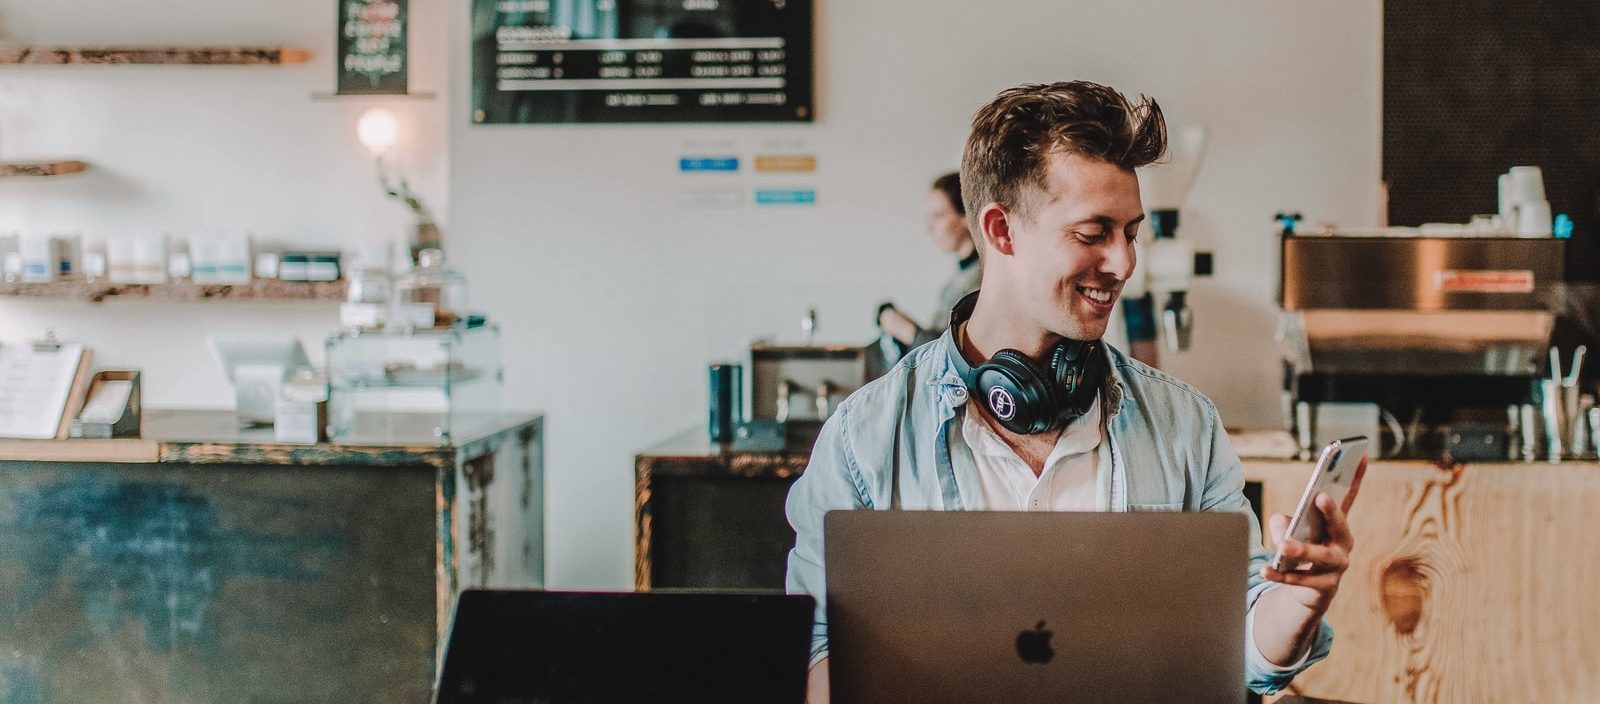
(189, 150)
(613, 298)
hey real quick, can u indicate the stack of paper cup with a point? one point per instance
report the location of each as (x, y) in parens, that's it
(1523, 207)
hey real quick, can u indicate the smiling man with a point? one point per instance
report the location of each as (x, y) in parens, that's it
(1020, 407)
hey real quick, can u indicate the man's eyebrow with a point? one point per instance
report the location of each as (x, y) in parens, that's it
(1106, 221)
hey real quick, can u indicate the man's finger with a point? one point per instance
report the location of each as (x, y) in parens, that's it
(1334, 520)
(1322, 558)
(1319, 581)
(1277, 523)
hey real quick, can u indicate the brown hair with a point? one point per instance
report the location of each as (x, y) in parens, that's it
(1014, 134)
(950, 185)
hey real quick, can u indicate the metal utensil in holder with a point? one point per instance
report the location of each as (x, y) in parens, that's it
(1529, 429)
(1553, 411)
(1593, 416)
(1578, 441)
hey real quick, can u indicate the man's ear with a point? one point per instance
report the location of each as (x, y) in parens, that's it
(995, 224)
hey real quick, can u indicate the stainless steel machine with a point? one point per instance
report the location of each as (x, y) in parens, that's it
(794, 388)
(1442, 337)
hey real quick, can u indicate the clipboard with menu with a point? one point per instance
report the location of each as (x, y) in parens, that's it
(41, 385)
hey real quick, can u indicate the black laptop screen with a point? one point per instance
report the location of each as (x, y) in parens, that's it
(527, 647)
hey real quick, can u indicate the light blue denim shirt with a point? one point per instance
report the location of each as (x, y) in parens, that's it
(1168, 452)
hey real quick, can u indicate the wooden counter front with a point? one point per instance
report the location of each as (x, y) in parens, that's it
(1476, 583)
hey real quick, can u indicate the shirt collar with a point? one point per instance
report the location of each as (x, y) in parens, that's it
(1080, 436)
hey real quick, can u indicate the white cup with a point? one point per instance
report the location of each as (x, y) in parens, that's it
(1533, 219)
(1527, 184)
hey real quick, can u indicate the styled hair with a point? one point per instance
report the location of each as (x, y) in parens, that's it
(950, 185)
(1014, 135)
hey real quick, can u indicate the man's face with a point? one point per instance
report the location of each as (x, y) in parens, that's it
(1071, 257)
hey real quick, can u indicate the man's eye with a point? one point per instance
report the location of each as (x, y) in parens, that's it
(1091, 236)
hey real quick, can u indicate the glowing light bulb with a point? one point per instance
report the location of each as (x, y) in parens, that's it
(378, 130)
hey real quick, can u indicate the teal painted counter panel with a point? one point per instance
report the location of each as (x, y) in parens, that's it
(179, 582)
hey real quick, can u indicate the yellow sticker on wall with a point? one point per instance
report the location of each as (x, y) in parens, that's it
(787, 163)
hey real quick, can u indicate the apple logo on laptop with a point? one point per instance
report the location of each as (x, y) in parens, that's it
(1034, 645)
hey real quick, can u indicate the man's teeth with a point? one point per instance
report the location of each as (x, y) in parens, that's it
(1096, 294)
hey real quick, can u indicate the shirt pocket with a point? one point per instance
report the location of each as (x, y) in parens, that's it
(1172, 507)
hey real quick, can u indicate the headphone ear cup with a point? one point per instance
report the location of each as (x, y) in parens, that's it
(1011, 377)
(1079, 369)
(1032, 374)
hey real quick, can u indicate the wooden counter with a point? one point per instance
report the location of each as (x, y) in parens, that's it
(1475, 583)
(204, 563)
(722, 524)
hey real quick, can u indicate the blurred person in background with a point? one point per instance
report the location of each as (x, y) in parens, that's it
(947, 227)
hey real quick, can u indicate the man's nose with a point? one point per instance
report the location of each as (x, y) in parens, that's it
(1117, 259)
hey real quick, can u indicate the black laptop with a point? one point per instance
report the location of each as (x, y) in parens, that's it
(536, 647)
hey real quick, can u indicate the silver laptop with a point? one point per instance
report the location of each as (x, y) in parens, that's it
(967, 607)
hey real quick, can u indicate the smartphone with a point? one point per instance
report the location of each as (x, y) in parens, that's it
(1338, 473)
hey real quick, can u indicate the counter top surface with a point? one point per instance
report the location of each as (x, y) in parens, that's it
(692, 453)
(215, 437)
(692, 446)
(694, 443)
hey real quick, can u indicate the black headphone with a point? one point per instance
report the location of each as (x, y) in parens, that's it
(1024, 397)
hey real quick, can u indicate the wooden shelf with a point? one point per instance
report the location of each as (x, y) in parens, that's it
(259, 290)
(38, 169)
(410, 95)
(170, 55)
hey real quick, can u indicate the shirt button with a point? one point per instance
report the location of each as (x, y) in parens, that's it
(959, 395)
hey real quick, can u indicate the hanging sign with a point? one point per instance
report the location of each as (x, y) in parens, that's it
(372, 47)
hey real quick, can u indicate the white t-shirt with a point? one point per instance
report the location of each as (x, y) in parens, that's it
(1069, 482)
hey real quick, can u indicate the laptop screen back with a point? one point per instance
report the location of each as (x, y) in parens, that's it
(1067, 608)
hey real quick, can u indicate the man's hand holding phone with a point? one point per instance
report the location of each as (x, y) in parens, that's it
(1321, 560)
(1314, 544)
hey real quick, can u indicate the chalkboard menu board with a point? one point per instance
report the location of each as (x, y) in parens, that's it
(543, 61)
(372, 47)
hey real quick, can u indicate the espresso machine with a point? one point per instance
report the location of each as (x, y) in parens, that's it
(1435, 344)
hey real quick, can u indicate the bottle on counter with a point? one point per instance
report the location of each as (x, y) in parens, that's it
(430, 295)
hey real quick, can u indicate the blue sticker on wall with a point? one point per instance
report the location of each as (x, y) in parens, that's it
(786, 196)
(722, 164)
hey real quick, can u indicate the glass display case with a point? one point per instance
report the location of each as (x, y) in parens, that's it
(423, 386)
